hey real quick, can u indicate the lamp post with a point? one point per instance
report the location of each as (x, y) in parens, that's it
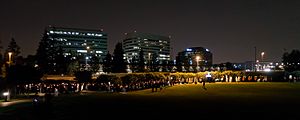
(149, 62)
(262, 58)
(262, 55)
(9, 58)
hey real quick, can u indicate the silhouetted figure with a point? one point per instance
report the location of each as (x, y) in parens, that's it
(203, 85)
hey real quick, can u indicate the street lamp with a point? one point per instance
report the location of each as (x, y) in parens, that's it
(149, 61)
(6, 95)
(262, 55)
(9, 58)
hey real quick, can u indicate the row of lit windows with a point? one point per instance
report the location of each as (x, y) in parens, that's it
(85, 51)
(75, 33)
(68, 54)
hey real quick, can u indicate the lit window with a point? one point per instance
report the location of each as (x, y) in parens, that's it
(99, 52)
(82, 51)
(99, 35)
(51, 32)
(188, 50)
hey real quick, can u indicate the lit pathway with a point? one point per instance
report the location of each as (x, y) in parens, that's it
(13, 102)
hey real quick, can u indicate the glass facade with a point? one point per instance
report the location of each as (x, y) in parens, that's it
(195, 58)
(153, 46)
(80, 44)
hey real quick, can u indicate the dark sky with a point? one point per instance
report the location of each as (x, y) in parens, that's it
(229, 28)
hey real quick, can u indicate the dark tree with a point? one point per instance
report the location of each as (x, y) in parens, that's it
(83, 77)
(21, 73)
(141, 67)
(44, 54)
(95, 61)
(72, 67)
(30, 60)
(154, 63)
(291, 60)
(14, 48)
(61, 62)
(229, 66)
(178, 64)
(119, 65)
(1, 55)
(107, 63)
(50, 57)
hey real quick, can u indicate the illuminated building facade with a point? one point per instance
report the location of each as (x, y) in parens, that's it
(195, 59)
(80, 44)
(156, 48)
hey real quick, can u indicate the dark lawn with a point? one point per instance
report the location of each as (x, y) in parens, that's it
(219, 100)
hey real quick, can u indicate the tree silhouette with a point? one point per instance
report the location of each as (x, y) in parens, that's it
(107, 63)
(141, 66)
(61, 61)
(44, 54)
(154, 63)
(95, 61)
(14, 48)
(178, 63)
(119, 65)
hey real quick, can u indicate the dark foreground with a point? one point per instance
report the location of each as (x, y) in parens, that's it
(218, 101)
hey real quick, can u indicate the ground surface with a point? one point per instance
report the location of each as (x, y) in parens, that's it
(217, 101)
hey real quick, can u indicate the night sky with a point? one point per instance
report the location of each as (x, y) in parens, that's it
(228, 28)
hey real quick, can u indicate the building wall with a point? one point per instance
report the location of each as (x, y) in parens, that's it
(152, 45)
(195, 56)
(79, 42)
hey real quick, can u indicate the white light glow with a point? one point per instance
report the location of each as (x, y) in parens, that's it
(267, 70)
(5, 93)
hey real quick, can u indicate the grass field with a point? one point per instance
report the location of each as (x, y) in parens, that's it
(218, 100)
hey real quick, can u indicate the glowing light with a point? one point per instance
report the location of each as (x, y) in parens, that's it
(5, 93)
(208, 75)
(267, 70)
(188, 49)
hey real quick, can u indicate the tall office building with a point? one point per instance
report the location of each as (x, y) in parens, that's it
(77, 43)
(195, 59)
(155, 47)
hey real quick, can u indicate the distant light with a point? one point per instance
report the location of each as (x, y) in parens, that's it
(5, 93)
(267, 70)
(207, 50)
(87, 58)
(36, 65)
(188, 49)
(208, 75)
